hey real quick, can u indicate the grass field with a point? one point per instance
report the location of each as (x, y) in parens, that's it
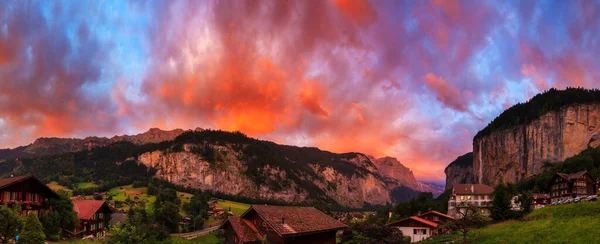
(84, 185)
(236, 207)
(571, 223)
(55, 186)
(207, 239)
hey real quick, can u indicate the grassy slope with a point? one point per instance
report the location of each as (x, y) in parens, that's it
(236, 207)
(55, 186)
(572, 223)
(84, 185)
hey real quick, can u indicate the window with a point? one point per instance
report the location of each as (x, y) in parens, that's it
(462, 197)
(436, 218)
(101, 215)
(101, 224)
(420, 231)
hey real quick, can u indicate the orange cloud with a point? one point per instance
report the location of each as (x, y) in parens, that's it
(445, 92)
(360, 11)
(310, 97)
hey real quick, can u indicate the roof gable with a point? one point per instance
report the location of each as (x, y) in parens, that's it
(243, 229)
(6, 182)
(405, 221)
(432, 212)
(289, 220)
(85, 209)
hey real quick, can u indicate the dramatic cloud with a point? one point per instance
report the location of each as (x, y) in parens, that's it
(412, 80)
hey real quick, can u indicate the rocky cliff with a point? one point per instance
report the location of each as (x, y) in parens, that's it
(395, 173)
(460, 171)
(306, 174)
(515, 153)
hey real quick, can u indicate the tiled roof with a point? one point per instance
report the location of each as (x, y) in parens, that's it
(436, 213)
(85, 209)
(466, 189)
(9, 181)
(244, 230)
(288, 220)
(415, 218)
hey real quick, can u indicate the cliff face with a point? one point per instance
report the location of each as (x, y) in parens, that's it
(230, 175)
(460, 171)
(395, 173)
(514, 154)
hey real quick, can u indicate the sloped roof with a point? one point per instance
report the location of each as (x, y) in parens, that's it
(9, 181)
(85, 209)
(289, 220)
(478, 189)
(244, 229)
(572, 176)
(6, 182)
(415, 218)
(436, 213)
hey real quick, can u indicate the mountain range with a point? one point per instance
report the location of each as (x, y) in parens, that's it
(224, 162)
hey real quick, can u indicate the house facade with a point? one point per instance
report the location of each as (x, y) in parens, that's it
(438, 218)
(540, 200)
(565, 186)
(463, 195)
(94, 217)
(417, 228)
(26, 191)
(281, 224)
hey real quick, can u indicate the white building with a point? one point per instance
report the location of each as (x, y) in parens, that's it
(417, 228)
(462, 195)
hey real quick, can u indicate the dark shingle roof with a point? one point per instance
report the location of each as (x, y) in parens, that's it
(13, 180)
(9, 181)
(288, 220)
(466, 189)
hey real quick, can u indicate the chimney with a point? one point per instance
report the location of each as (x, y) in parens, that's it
(282, 221)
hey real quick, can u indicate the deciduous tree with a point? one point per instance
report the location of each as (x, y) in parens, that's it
(10, 223)
(470, 219)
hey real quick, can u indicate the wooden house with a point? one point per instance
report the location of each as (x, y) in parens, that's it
(438, 218)
(416, 228)
(565, 186)
(281, 224)
(94, 217)
(27, 191)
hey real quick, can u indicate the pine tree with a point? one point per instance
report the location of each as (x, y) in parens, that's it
(501, 208)
(33, 232)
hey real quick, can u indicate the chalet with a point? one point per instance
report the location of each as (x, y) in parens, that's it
(416, 228)
(438, 218)
(281, 224)
(470, 194)
(28, 192)
(540, 200)
(94, 216)
(565, 186)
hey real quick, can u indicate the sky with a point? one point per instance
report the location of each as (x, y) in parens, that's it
(413, 80)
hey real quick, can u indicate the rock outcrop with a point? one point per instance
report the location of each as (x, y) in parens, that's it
(514, 154)
(460, 171)
(229, 175)
(395, 173)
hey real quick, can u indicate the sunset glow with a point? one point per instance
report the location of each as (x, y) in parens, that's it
(413, 80)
